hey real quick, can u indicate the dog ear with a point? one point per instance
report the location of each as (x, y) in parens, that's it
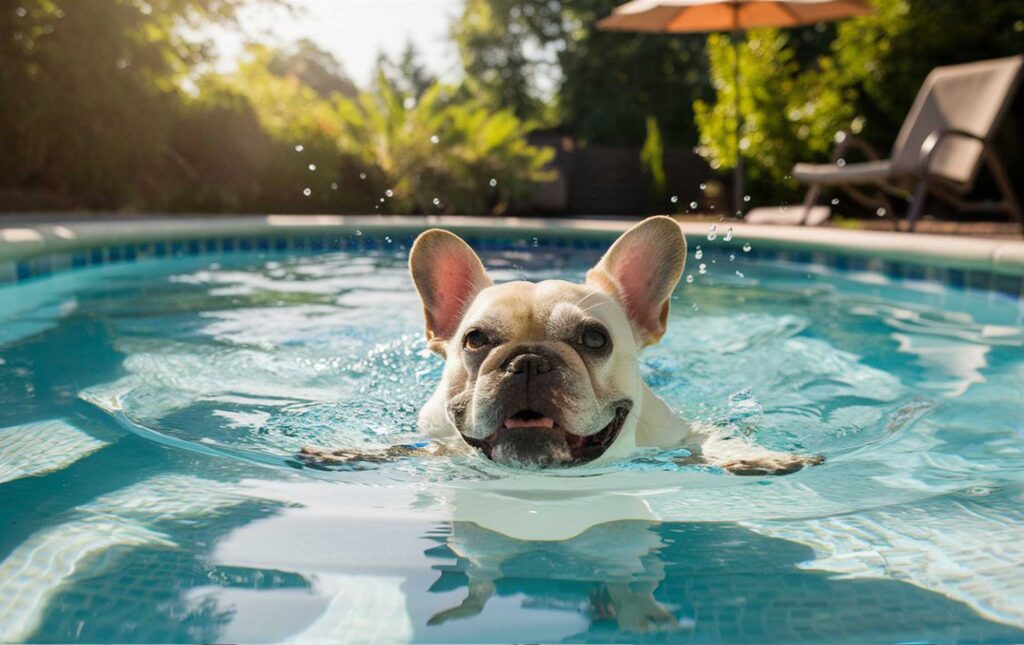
(448, 275)
(641, 270)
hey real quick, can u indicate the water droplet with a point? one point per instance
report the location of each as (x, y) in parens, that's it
(732, 257)
(307, 192)
(299, 148)
(713, 231)
(381, 201)
(387, 240)
(358, 232)
(746, 198)
(389, 193)
(21, 12)
(703, 268)
(362, 175)
(437, 202)
(881, 212)
(693, 205)
(312, 167)
(493, 182)
(435, 139)
(746, 247)
(703, 186)
(689, 279)
(841, 162)
(536, 241)
(334, 185)
(409, 102)
(728, 236)
(739, 273)
(674, 198)
(698, 254)
(835, 201)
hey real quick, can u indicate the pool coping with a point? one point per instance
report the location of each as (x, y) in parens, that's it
(28, 240)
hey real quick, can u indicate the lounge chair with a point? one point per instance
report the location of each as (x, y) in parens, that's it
(943, 142)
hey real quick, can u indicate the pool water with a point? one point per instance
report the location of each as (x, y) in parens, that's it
(149, 491)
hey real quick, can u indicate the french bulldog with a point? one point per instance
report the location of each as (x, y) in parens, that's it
(546, 375)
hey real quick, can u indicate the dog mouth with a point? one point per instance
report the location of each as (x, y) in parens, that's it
(531, 438)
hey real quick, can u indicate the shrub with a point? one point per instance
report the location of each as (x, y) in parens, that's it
(440, 153)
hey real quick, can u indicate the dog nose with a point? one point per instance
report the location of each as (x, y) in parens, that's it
(529, 364)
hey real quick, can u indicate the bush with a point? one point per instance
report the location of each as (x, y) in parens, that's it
(440, 152)
(864, 82)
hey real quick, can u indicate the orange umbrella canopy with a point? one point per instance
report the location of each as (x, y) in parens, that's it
(680, 16)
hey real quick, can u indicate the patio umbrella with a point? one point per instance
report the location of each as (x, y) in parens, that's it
(733, 16)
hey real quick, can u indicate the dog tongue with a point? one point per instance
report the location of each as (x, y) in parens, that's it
(536, 422)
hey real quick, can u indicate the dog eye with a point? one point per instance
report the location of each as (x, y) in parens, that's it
(594, 338)
(475, 339)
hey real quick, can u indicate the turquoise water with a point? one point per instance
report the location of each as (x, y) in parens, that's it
(149, 416)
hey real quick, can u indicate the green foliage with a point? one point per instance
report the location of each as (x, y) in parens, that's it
(652, 157)
(313, 66)
(435, 148)
(91, 94)
(103, 108)
(238, 144)
(600, 84)
(793, 104)
(407, 74)
(493, 47)
(786, 116)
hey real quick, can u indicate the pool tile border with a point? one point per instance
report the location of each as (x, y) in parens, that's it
(47, 264)
(33, 253)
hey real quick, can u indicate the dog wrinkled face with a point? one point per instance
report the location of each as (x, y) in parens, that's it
(545, 374)
(541, 374)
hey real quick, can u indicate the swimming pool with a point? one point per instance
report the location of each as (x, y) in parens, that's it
(150, 412)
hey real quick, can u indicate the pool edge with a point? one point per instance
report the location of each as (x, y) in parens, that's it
(25, 241)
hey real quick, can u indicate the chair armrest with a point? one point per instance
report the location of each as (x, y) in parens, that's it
(846, 141)
(931, 144)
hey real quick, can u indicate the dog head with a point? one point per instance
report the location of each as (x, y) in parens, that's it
(545, 374)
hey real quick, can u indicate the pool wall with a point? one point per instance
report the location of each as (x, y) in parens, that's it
(38, 249)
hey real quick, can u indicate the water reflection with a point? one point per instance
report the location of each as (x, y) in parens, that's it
(651, 582)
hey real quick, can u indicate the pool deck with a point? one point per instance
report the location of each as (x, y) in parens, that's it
(27, 237)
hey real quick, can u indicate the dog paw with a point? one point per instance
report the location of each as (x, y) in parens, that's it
(476, 599)
(781, 464)
(644, 616)
(634, 611)
(349, 458)
(647, 623)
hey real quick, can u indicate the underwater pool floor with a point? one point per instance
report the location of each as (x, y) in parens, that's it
(150, 414)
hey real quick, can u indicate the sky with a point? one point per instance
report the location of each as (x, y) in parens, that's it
(356, 30)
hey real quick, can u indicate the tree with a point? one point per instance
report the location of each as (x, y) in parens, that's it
(602, 85)
(315, 67)
(256, 140)
(407, 74)
(505, 53)
(864, 81)
(439, 154)
(91, 89)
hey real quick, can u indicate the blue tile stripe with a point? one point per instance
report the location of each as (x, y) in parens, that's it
(46, 265)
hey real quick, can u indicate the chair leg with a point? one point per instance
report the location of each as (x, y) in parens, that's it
(917, 204)
(809, 200)
(1010, 201)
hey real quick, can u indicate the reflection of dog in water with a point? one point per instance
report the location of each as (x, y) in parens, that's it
(610, 572)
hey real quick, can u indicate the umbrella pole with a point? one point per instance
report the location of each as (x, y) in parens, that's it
(737, 182)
